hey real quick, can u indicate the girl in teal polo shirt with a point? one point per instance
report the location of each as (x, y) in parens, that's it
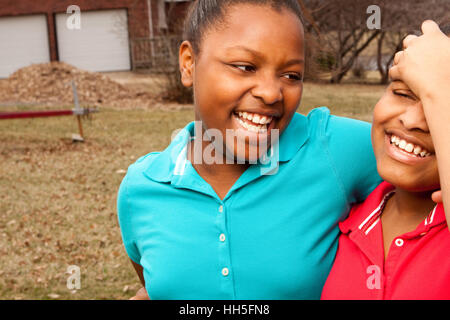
(245, 201)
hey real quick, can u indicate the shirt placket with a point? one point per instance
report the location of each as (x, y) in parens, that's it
(371, 245)
(395, 251)
(223, 245)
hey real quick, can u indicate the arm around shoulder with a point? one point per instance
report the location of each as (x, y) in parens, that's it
(351, 149)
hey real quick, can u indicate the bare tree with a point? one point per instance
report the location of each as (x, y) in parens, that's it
(343, 32)
(400, 18)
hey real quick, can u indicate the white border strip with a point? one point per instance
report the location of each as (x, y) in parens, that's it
(371, 215)
(371, 227)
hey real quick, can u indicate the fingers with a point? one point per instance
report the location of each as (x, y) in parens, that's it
(408, 39)
(437, 196)
(394, 73)
(429, 26)
(398, 57)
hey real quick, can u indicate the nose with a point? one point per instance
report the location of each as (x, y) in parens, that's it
(413, 118)
(268, 89)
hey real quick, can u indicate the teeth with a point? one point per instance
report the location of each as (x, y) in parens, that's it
(409, 147)
(263, 120)
(255, 118)
(249, 127)
(417, 150)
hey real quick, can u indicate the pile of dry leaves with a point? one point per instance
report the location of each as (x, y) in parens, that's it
(50, 84)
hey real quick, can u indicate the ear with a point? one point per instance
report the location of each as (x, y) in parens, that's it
(186, 61)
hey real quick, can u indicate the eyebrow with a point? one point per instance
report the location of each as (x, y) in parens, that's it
(261, 56)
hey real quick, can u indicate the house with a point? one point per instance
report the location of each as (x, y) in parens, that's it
(94, 35)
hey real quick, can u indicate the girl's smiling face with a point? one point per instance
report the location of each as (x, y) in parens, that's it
(402, 141)
(248, 75)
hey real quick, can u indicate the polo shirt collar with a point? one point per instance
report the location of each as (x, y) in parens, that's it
(370, 210)
(365, 214)
(171, 165)
(361, 226)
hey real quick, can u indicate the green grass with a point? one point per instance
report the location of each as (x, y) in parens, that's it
(58, 198)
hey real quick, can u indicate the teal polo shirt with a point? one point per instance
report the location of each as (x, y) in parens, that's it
(273, 236)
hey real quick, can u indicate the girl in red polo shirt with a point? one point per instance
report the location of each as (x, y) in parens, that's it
(396, 245)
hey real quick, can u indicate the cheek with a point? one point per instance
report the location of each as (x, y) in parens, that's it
(380, 113)
(291, 101)
(378, 130)
(214, 84)
(213, 101)
(293, 96)
(387, 109)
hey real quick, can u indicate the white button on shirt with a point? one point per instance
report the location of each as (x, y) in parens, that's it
(222, 237)
(225, 271)
(399, 242)
(221, 209)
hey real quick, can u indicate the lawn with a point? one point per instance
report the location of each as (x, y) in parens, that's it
(58, 198)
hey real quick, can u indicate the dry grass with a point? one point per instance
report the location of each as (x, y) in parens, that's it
(58, 199)
(349, 100)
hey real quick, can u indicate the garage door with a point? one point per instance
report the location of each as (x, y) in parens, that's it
(101, 43)
(23, 41)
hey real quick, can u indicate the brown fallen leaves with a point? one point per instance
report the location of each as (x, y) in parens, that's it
(50, 83)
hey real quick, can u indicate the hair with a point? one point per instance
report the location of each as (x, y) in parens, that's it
(446, 29)
(205, 14)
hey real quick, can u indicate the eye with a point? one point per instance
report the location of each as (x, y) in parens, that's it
(293, 76)
(404, 95)
(244, 67)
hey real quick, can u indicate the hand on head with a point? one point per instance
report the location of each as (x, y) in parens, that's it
(423, 67)
(423, 63)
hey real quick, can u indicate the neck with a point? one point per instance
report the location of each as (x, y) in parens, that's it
(217, 170)
(412, 205)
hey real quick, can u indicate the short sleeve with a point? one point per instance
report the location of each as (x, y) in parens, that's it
(350, 148)
(125, 222)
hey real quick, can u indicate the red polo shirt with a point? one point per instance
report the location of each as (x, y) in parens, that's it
(417, 266)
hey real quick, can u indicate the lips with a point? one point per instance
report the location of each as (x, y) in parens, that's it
(407, 146)
(404, 150)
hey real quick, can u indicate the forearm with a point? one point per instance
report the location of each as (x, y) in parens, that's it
(437, 112)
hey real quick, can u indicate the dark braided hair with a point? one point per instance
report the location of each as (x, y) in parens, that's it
(204, 14)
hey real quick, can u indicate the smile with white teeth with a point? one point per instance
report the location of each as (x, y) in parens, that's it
(254, 122)
(409, 147)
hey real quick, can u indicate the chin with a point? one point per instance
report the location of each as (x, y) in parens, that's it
(407, 182)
